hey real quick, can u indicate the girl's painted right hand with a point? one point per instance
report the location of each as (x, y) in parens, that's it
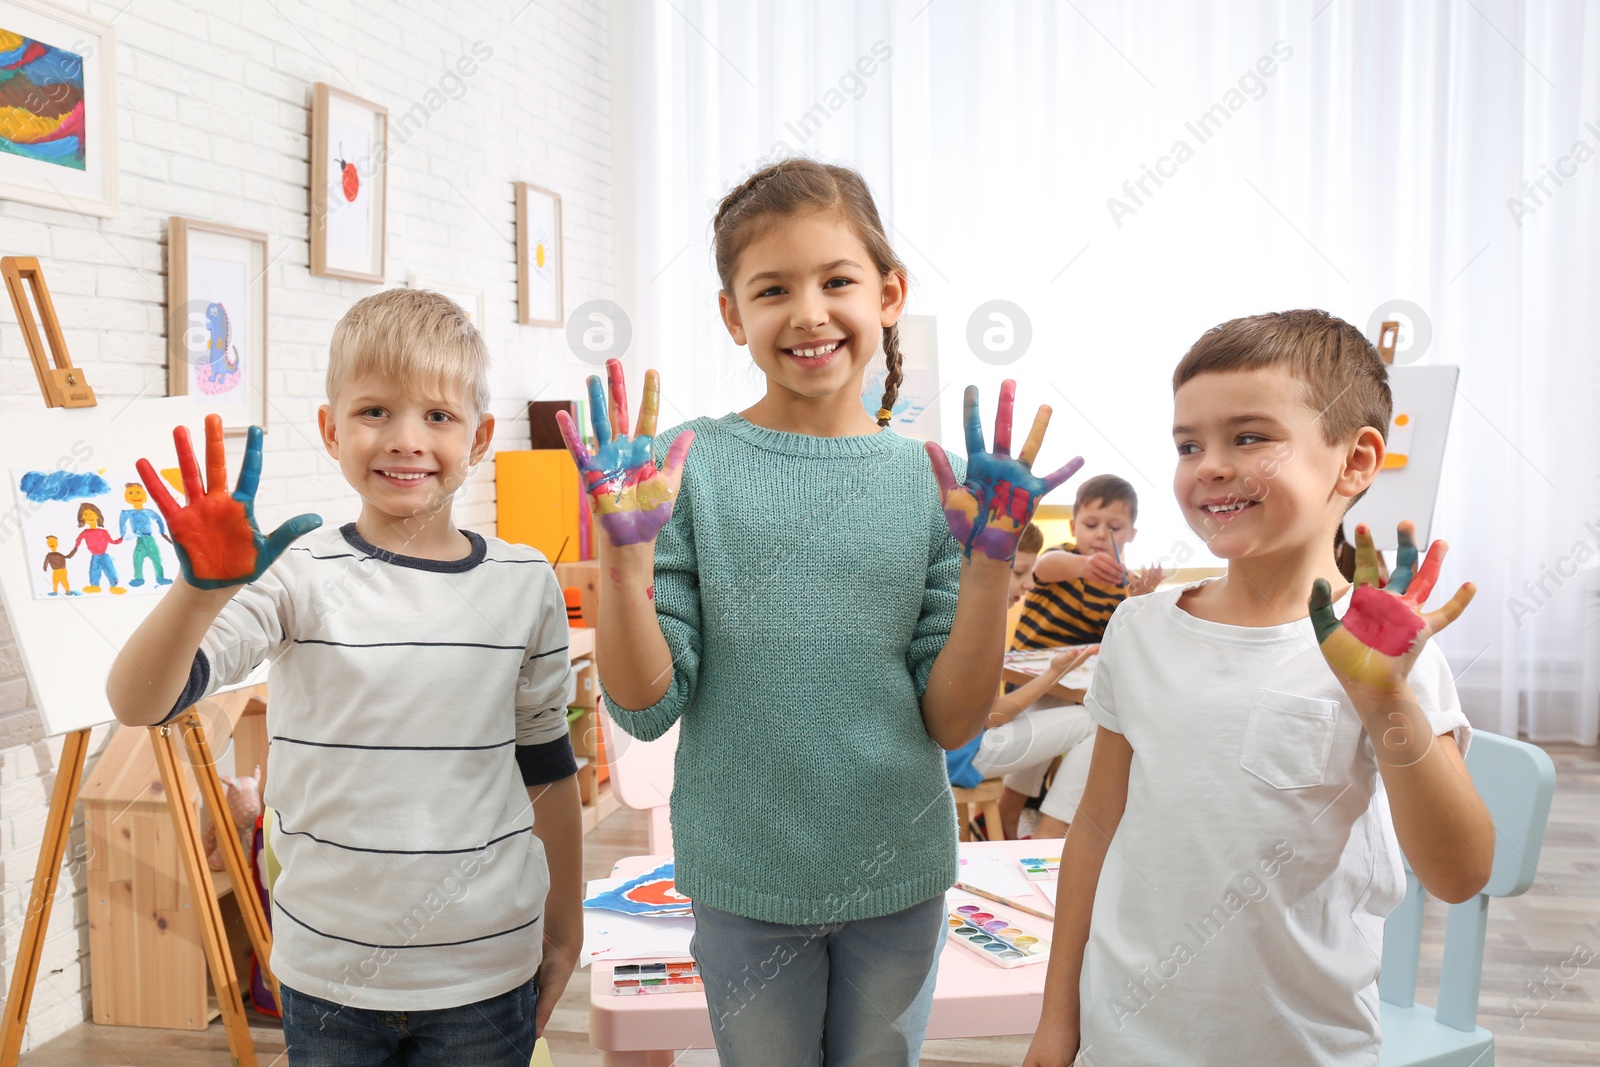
(989, 511)
(630, 496)
(215, 532)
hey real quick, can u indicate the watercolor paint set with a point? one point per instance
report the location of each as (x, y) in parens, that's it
(997, 940)
(1041, 868)
(645, 979)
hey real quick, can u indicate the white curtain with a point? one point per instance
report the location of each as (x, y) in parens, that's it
(1129, 174)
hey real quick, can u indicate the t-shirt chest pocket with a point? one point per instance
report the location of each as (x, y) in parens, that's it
(1288, 739)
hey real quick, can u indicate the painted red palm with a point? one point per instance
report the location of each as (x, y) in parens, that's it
(215, 532)
(1381, 635)
(989, 511)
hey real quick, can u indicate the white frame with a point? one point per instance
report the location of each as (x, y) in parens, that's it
(95, 191)
(186, 237)
(550, 314)
(325, 101)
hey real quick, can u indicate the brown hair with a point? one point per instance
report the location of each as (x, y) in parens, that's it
(99, 516)
(1031, 540)
(414, 337)
(793, 186)
(1107, 489)
(1343, 377)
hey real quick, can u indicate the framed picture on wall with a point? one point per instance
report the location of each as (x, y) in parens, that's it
(539, 256)
(469, 298)
(58, 103)
(217, 320)
(349, 185)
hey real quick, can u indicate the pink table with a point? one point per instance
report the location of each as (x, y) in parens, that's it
(973, 998)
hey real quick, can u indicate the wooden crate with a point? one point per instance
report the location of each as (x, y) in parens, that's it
(146, 964)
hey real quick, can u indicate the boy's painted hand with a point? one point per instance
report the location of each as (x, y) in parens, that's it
(989, 512)
(631, 497)
(1384, 630)
(214, 532)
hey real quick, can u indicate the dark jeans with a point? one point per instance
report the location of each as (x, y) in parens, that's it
(497, 1032)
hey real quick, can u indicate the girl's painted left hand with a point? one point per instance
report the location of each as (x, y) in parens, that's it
(989, 512)
(1384, 630)
(631, 497)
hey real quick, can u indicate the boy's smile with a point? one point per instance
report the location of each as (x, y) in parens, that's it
(1254, 472)
(406, 451)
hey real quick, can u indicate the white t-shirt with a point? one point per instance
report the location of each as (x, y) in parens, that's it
(410, 702)
(1239, 915)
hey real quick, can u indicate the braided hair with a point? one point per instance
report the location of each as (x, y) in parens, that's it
(790, 187)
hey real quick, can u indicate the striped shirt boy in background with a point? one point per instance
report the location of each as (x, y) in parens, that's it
(1079, 584)
(424, 807)
(1076, 588)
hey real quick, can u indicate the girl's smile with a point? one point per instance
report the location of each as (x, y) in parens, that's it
(807, 300)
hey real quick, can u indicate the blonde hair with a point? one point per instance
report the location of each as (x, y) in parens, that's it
(415, 337)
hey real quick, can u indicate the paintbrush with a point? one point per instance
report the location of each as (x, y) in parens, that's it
(1007, 901)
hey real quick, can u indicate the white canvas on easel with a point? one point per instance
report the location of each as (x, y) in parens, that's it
(1424, 398)
(915, 413)
(69, 644)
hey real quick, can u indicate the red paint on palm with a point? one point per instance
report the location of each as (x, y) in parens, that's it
(212, 527)
(1382, 621)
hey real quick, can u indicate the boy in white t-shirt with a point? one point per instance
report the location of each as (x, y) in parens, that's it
(1257, 769)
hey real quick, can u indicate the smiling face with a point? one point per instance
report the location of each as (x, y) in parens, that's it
(134, 494)
(1255, 476)
(406, 452)
(811, 305)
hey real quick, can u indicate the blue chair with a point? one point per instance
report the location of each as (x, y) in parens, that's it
(1516, 781)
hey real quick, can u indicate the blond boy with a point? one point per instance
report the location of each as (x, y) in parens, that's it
(424, 810)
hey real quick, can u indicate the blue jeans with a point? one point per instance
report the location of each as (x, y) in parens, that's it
(101, 566)
(857, 993)
(497, 1032)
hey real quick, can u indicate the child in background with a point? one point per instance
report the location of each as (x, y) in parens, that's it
(809, 617)
(1021, 740)
(1260, 764)
(421, 769)
(1078, 587)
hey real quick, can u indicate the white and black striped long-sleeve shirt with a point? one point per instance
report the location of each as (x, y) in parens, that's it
(410, 703)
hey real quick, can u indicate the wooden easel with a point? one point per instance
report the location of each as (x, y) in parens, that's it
(65, 386)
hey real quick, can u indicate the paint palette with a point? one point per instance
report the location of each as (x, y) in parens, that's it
(645, 979)
(997, 940)
(1041, 868)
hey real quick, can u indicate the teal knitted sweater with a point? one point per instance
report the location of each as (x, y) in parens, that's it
(805, 586)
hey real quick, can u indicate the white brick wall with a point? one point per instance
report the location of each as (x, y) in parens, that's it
(214, 124)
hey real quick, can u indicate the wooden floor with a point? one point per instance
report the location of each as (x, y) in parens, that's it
(1542, 1004)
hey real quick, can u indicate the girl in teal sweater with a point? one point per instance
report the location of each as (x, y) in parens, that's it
(796, 598)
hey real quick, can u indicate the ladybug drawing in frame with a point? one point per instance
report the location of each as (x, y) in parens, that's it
(349, 177)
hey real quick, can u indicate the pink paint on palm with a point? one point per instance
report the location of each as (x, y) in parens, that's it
(1381, 621)
(619, 397)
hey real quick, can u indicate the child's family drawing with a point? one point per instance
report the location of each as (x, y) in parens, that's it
(93, 532)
